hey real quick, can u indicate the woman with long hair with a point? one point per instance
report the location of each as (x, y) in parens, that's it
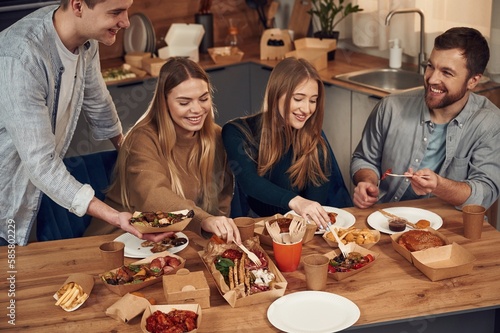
(279, 156)
(173, 157)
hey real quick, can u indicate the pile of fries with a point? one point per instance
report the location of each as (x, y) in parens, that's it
(352, 234)
(71, 295)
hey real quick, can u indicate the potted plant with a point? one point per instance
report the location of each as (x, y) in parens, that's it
(326, 11)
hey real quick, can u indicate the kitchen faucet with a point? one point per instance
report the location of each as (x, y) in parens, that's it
(422, 62)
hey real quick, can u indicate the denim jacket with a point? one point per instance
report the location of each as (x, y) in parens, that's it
(30, 76)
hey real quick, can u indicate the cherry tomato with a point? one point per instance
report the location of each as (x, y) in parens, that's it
(369, 258)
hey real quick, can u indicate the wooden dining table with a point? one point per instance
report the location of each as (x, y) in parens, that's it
(392, 295)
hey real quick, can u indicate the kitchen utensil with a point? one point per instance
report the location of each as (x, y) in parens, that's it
(300, 19)
(271, 13)
(343, 248)
(297, 229)
(252, 256)
(274, 231)
(407, 176)
(259, 6)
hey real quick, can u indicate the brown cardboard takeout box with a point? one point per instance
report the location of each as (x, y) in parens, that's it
(355, 248)
(176, 227)
(127, 307)
(444, 262)
(404, 252)
(233, 297)
(122, 289)
(166, 309)
(187, 287)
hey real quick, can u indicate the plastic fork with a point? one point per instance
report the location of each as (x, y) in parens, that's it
(252, 256)
(406, 176)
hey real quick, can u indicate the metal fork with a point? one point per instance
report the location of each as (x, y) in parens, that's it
(252, 256)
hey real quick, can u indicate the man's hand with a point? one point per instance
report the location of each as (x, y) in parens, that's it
(365, 195)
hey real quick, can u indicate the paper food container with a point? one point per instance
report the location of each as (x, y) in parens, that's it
(330, 239)
(354, 248)
(170, 307)
(85, 281)
(444, 262)
(236, 297)
(225, 54)
(153, 65)
(183, 40)
(407, 254)
(265, 238)
(176, 227)
(135, 58)
(324, 44)
(127, 307)
(187, 287)
(122, 289)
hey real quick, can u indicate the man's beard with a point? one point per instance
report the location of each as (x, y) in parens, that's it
(447, 100)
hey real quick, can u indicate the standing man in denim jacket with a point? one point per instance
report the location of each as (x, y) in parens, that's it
(49, 74)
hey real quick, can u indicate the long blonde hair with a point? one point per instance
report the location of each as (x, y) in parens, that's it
(277, 136)
(201, 160)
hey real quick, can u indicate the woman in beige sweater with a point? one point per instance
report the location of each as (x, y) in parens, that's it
(173, 157)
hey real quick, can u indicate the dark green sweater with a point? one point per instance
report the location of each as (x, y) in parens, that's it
(271, 193)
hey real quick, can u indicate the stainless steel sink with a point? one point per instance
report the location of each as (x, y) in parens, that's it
(387, 79)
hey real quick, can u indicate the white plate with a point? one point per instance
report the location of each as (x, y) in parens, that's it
(379, 222)
(133, 248)
(344, 218)
(135, 37)
(312, 312)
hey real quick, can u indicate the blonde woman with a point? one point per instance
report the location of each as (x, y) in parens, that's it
(280, 157)
(173, 157)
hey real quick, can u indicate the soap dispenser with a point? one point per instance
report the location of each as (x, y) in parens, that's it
(396, 54)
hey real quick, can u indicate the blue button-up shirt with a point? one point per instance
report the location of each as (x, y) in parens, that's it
(30, 76)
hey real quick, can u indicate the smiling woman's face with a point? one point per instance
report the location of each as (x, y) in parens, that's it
(302, 105)
(189, 104)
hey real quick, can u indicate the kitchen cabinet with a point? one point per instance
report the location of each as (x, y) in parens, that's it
(259, 75)
(231, 96)
(131, 100)
(346, 112)
(337, 126)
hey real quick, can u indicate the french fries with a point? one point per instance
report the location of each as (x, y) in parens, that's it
(70, 295)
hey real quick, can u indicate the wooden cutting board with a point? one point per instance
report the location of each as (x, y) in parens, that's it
(300, 19)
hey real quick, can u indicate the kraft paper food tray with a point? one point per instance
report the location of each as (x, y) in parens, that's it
(355, 248)
(86, 281)
(444, 262)
(176, 227)
(122, 289)
(231, 295)
(225, 54)
(332, 243)
(407, 254)
(166, 309)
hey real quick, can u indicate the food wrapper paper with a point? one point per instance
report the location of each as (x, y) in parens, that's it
(86, 281)
(127, 307)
